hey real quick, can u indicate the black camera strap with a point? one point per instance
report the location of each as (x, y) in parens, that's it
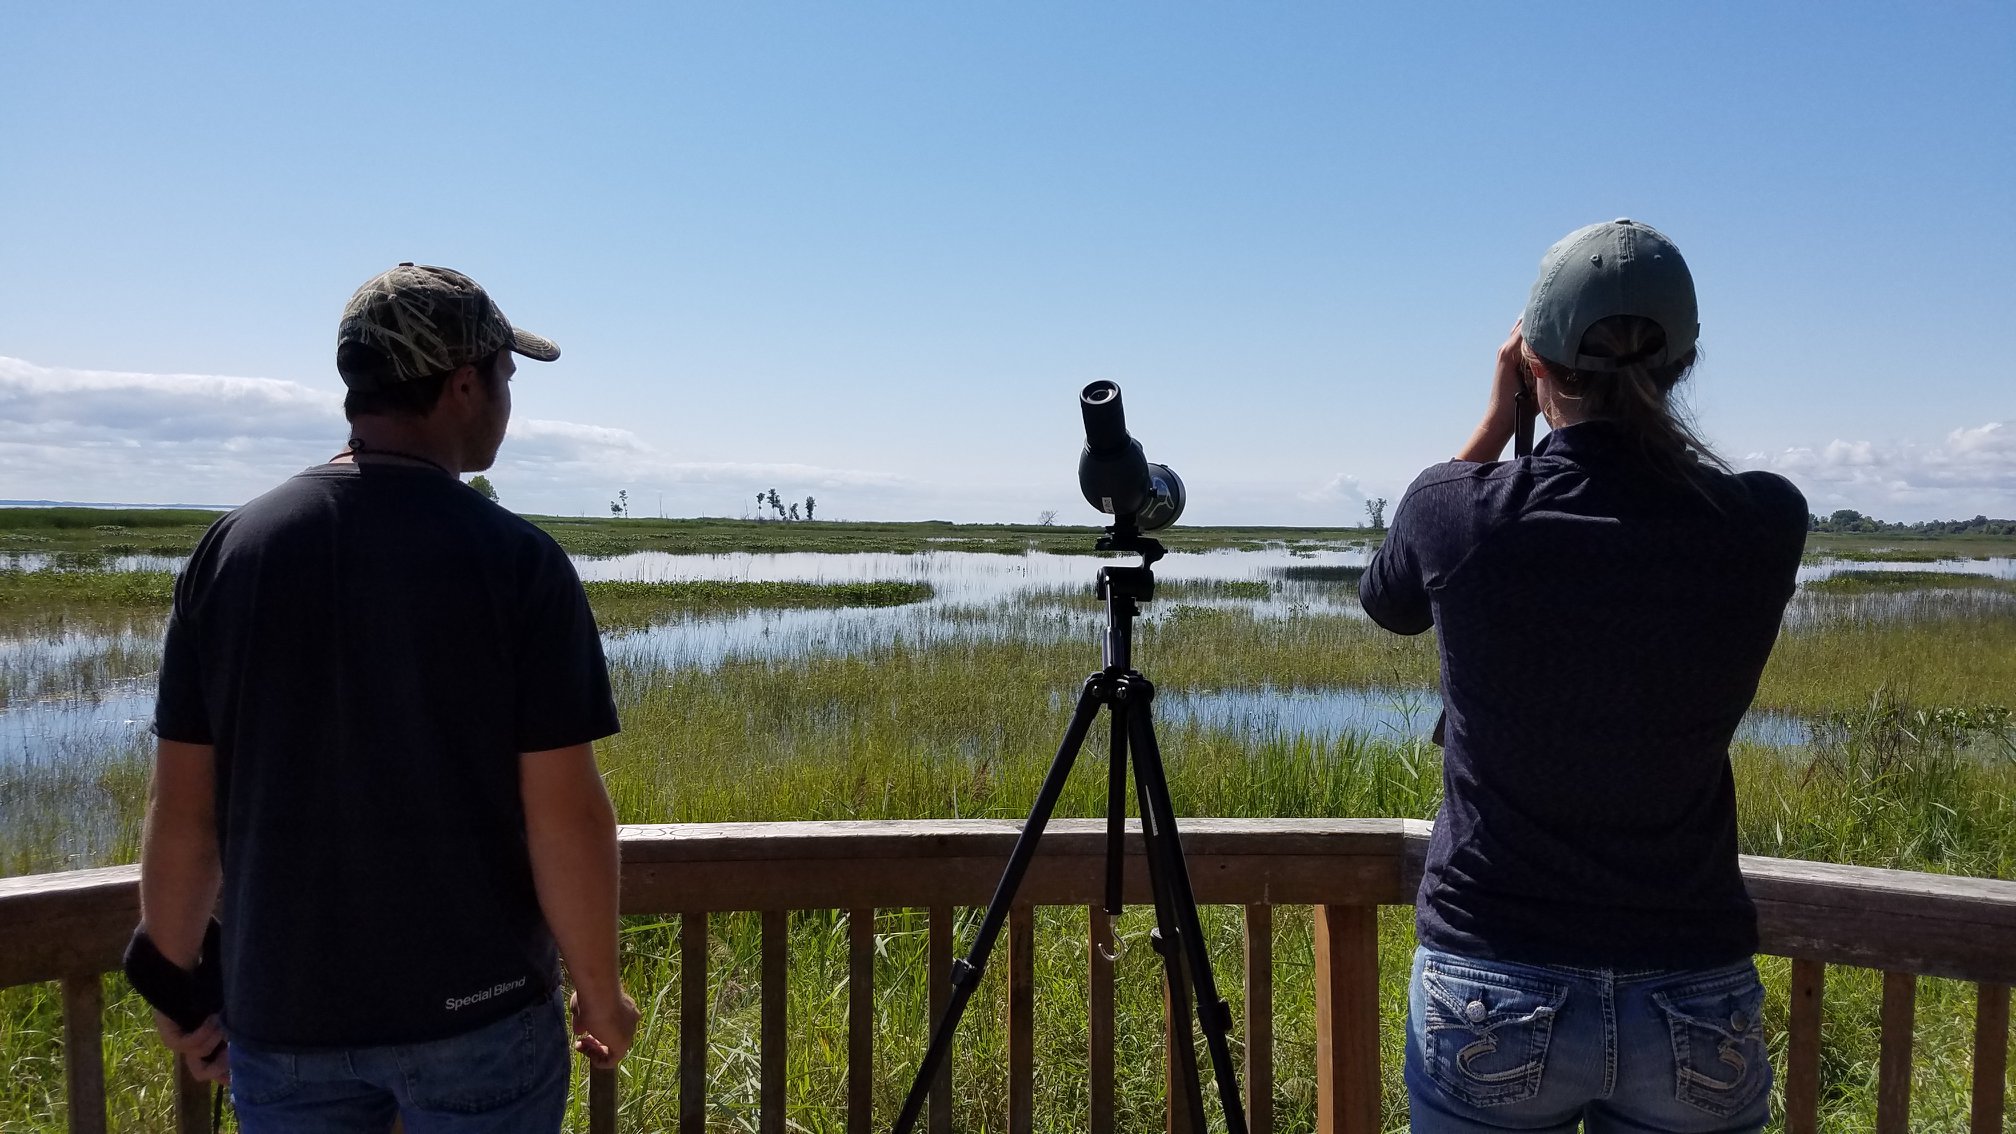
(184, 996)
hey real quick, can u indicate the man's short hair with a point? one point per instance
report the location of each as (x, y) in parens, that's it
(418, 397)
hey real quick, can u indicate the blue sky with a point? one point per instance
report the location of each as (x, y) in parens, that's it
(869, 252)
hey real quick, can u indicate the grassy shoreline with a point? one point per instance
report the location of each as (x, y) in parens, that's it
(139, 531)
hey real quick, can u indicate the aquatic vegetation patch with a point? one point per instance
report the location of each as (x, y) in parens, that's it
(1320, 573)
(22, 591)
(623, 604)
(1891, 582)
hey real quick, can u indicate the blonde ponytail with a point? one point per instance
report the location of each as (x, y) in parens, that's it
(1638, 396)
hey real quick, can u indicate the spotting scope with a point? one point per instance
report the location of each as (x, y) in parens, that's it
(1115, 475)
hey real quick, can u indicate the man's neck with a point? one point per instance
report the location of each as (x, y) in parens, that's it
(380, 437)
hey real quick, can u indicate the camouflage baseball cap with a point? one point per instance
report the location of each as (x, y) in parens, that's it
(417, 321)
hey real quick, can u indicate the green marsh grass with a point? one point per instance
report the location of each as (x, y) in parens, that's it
(30, 591)
(1959, 654)
(78, 804)
(1909, 769)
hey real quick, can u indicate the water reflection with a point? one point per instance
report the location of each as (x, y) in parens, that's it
(1999, 567)
(961, 577)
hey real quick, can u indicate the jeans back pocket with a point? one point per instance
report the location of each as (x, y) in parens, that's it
(259, 1078)
(1719, 1059)
(490, 1067)
(1485, 1033)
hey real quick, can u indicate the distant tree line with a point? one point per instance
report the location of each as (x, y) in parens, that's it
(786, 510)
(1848, 520)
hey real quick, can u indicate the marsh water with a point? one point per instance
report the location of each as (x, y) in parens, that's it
(86, 690)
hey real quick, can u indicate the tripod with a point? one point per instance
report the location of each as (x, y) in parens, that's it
(1177, 937)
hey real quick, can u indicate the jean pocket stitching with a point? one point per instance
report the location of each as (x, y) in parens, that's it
(1457, 1071)
(1729, 1078)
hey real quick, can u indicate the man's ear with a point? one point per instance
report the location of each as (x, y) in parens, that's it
(466, 384)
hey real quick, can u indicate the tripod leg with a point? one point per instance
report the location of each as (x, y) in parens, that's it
(1165, 857)
(1116, 822)
(966, 974)
(1184, 1088)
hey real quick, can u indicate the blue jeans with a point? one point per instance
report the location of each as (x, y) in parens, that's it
(1499, 1046)
(510, 1076)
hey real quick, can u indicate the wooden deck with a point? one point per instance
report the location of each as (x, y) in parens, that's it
(71, 928)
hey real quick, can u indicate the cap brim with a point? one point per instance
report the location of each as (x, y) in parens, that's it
(533, 346)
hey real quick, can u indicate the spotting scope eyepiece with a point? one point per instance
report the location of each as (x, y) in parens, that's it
(1115, 475)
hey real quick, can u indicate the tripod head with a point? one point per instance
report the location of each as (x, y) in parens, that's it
(1125, 536)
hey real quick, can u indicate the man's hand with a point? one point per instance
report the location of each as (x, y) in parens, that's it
(604, 1032)
(196, 1047)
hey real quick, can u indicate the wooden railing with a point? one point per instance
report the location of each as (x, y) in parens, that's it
(71, 927)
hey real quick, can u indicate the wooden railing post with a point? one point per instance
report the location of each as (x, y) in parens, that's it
(1802, 1059)
(1099, 1025)
(860, 1020)
(193, 1100)
(693, 1022)
(939, 960)
(1347, 1019)
(1260, 1019)
(771, 1057)
(1893, 1074)
(1021, 1019)
(1991, 1056)
(84, 1052)
(602, 1100)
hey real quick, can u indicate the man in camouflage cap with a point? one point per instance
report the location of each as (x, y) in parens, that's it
(378, 700)
(415, 321)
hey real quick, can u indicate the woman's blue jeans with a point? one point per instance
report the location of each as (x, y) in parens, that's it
(1499, 1046)
(508, 1077)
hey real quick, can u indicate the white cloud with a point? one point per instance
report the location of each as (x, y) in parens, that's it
(1342, 489)
(208, 439)
(1971, 471)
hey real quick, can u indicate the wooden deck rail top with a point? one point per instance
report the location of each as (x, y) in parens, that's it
(56, 925)
(72, 927)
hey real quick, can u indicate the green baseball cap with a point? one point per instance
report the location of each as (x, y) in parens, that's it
(1620, 267)
(417, 321)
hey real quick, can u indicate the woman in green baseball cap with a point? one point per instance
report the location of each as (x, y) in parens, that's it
(1604, 606)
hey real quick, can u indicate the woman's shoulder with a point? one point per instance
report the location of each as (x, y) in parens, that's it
(1773, 495)
(1454, 476)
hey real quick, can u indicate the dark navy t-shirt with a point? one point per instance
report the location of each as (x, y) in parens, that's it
(370, 648)
(1602, 631)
